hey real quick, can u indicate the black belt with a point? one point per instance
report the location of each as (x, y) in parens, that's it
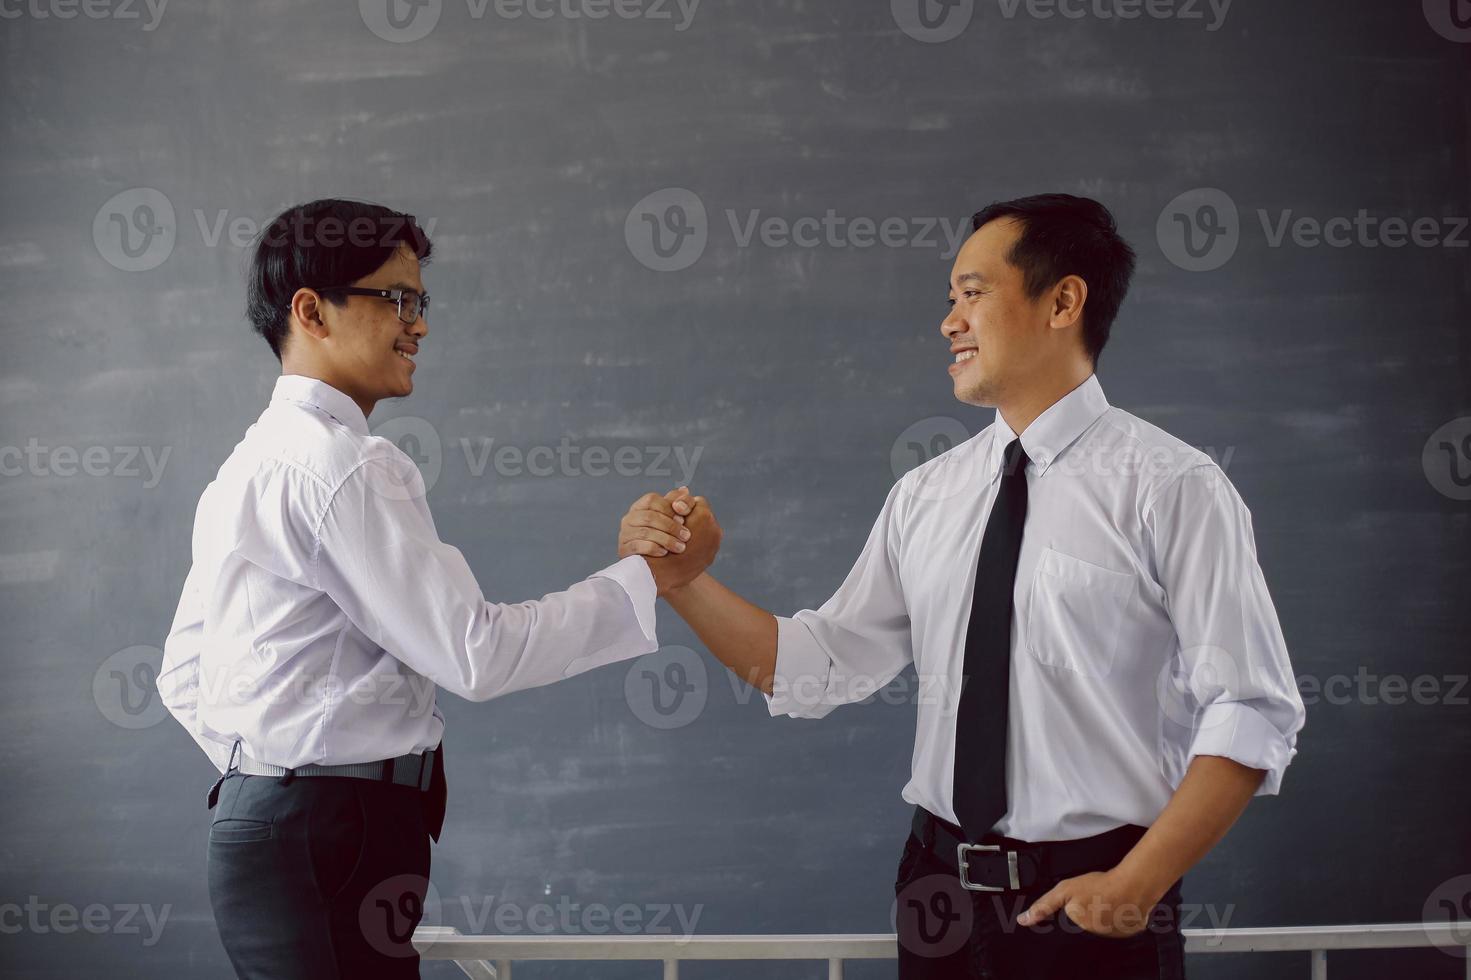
(999, 864)
(412, 769)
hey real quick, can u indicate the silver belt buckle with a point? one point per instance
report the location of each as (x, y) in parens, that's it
(965, 881)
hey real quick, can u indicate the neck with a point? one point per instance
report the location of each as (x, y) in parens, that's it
(1022, 410)
(327, 376)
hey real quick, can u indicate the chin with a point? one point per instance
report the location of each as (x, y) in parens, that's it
(973, 394)
(398, 389)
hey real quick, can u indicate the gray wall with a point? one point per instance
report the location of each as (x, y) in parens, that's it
(1319, 376)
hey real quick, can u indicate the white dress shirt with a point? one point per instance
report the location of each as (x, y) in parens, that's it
(322, 609)
(1143, 634)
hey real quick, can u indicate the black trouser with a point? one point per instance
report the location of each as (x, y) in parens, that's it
(318, 877)
(949, 933)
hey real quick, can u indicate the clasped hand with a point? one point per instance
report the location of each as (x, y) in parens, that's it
(677, 534)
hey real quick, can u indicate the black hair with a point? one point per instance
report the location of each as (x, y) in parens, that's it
(330, 242)
(1063, 235)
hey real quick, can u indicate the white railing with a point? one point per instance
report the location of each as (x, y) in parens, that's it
(490, 957)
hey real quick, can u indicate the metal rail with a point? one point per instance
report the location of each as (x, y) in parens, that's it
(490, 957)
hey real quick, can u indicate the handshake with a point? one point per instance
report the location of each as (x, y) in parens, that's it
(676, 534)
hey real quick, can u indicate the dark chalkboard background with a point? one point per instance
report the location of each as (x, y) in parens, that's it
(1320, 376)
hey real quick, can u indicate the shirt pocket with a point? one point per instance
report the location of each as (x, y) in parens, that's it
(1077, 613)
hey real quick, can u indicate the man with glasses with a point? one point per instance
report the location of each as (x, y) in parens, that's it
(322, 610)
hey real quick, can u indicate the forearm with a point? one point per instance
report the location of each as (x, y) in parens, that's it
(1209, 800)
(740, 635)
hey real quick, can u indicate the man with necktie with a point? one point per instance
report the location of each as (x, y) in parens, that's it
(1103, 683)
(322, 611)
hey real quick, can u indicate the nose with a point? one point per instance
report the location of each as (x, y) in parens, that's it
(420, 326)
(953, 324)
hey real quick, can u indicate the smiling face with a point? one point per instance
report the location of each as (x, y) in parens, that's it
(360, 346)
(995, 330)
(1009, 349)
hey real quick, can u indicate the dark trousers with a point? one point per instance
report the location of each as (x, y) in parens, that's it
(318, 877)
(948, 933)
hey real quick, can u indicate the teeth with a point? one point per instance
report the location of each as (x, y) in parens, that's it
(964, 355)
(404, 354)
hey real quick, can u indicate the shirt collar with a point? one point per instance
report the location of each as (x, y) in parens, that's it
(1052, 431)
(323, 397)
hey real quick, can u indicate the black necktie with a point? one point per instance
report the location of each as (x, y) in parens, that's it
(980, 724)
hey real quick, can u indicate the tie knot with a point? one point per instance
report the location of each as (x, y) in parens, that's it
(1015, 461)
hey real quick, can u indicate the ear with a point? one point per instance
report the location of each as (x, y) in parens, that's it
(1068, 298)
(307, 310)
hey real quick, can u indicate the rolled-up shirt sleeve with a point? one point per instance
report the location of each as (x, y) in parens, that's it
(856, 642)
(1237, 676)
(379, 557)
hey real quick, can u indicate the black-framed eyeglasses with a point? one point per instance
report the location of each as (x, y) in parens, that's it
(411, 305)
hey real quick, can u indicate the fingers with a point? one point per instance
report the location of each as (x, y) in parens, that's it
(1045, 907)
(655, 520)
(674, 504)
(640, 546)
(654, 525)
(645, 525)
(679, 499)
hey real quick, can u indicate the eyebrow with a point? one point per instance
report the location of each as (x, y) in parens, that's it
(403, 285)
(969, 277)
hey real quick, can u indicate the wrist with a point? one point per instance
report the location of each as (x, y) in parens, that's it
(1140, 881)
(677, 593)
